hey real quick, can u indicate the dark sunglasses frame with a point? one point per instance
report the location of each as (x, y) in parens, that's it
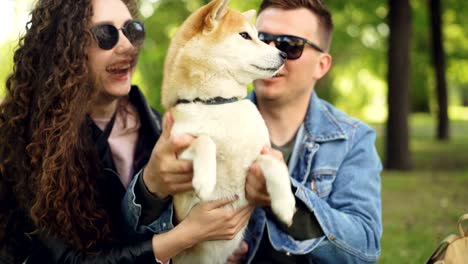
(287, 43)
(107, 35)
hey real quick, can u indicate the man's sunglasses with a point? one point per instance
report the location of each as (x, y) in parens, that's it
(107, 35)
(293, 46)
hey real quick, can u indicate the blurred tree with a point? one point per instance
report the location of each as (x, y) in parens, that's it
(6, 64)
(13, 15)
(359, 41)
(438, 55)
(397, 140)
(420, 84)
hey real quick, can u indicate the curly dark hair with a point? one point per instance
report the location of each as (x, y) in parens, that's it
(47, 162)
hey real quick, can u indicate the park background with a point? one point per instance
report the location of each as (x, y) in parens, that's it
(384, 72)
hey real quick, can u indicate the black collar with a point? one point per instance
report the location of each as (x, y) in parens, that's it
(210, 101)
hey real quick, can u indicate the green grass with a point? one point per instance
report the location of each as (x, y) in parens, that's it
(421, 207)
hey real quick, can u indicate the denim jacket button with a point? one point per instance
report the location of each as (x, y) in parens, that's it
(332, 238)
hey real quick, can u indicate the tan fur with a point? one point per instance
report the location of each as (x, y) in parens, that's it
(208, 58)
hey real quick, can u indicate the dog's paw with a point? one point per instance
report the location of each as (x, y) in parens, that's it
(204, 186)
(204, 167)
(284, 208)
(278, 184)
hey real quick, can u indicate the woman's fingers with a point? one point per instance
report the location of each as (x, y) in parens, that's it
(242, 217)
(218, 204)
(182, 187)
(180, 142)
(177, 166)
(168, 122)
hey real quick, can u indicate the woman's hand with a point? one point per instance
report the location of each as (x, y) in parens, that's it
(164, 174)
(213, 221)
(206, 221)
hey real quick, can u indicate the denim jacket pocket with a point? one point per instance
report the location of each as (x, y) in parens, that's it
(321, 182)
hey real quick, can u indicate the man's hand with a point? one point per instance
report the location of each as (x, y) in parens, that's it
(164, 174)
(255, 185)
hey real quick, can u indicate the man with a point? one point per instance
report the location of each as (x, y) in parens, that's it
(332, 160)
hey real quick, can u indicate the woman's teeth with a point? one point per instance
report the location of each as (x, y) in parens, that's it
(119, 68)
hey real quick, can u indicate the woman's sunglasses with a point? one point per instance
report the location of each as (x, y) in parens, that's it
(293, 46)
(107, 35)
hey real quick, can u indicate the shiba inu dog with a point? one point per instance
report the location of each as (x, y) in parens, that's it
(212, 58)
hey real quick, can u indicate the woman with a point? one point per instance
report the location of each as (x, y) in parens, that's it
(73, 132)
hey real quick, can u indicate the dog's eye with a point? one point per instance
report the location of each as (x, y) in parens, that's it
(245, 35)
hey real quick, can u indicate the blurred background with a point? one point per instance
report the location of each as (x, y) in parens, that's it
(400, 65)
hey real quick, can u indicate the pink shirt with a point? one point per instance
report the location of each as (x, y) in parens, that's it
(122, 140)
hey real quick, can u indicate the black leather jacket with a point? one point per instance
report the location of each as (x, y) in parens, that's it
(133, 250)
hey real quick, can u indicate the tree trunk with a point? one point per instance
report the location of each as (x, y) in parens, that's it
(397, 139)
(439, 66)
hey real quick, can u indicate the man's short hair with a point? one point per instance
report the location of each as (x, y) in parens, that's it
(315, 6)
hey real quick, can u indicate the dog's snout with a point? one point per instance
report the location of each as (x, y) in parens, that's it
(283, 55)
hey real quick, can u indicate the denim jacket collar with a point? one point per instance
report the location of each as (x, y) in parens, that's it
(320, 125)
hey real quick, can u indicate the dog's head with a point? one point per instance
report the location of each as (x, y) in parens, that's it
(216, 52)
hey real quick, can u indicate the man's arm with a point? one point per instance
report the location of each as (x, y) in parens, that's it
(351, 216)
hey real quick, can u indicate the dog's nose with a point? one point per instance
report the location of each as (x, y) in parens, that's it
(283, 55)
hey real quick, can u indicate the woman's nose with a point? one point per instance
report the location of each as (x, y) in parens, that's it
(124, 44)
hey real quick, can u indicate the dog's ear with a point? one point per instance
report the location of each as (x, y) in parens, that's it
(218, 10)
(250, 14)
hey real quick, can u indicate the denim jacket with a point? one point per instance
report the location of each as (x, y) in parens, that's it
(335, 170)
(132, 212)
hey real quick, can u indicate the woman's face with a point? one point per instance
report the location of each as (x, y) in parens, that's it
(112, 69)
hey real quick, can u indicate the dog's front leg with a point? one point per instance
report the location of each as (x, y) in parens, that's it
(202, 152)
(278, 186)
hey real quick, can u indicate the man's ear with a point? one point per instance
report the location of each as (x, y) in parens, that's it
(218, 9)
(250, 14)
(325, 63)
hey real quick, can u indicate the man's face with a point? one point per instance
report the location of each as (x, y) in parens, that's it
(298, 76)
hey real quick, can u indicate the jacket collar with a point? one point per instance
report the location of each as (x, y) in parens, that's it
(150, 129)
(320, 123)
(145, 111)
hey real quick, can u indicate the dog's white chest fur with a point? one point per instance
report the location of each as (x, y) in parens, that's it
(229, 139)
(238, 132)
